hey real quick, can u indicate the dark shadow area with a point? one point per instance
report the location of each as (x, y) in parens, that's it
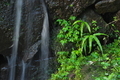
(108, 17)
(3, 60)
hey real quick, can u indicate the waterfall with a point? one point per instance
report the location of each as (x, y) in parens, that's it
(31, 50)
(15, 40)
(44, 44)
(28, 51)
(23, 70)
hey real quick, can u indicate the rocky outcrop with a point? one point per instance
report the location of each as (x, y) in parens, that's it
(6, 26)
(104, 6)
(65, 8)
(32, 21)
(89, 16)
(32, 18)
(29, 53)
(31, 25)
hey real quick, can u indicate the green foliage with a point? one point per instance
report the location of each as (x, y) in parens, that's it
(82, 25)
(108, 63)
(71, 5)
(115, 18)
(80, 33)
(92, 38)
(68, 66)
(113, 29)
(76, 37)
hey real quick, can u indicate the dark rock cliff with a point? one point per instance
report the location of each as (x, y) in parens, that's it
(102, 11)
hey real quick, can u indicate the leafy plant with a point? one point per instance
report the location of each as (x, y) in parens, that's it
(76, 36)
(92, 38)
(113, 29)
(108, 63)
(82, 25)
(74, 32)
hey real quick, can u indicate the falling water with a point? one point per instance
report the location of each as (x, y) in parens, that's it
(28, 54)
(44, 43)
(16, 40)
(23, 70)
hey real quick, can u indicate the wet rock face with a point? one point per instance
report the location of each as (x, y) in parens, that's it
(5, 40)
(6, 25)
(32, 18)
(31, 22)
(65, 8)
(104, 6)
(29, 54)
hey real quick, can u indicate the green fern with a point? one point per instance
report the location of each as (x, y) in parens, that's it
(90, 39)
(82, 25)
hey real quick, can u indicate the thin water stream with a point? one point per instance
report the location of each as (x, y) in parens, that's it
(44, 44)
(15, 40)
(28, 52)
(23, 70)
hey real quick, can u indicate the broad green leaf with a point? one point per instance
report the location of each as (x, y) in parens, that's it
(90, 43)
(76, 32)
(59, 21)
(99, 34)
(63, 42)
(64, 23)
(94, 22)
(60, 36)
(88, 26)
(98, 42)
(65, 28)
(85, 46)
(72, 18)
(116, 31)
(111, 76)
(81, 29)
(78, 21)
(83, 42)
(76, 26)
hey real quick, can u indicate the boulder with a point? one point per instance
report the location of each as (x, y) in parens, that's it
(29, 53)
(89, 15)
(104, 6)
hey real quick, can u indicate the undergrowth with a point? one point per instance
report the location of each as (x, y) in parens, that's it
(80, 46)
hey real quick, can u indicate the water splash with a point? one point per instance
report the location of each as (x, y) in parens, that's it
(44, 43)
(16, 40)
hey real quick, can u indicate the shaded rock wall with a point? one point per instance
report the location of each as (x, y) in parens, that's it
(31, 25)
(32, 18)
(57, 9)
(65, 8)
(105, 6)
(102, 11)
